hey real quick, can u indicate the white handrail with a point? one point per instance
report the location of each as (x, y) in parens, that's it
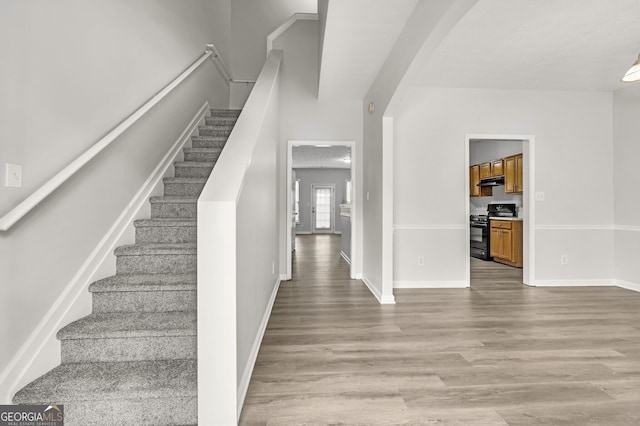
(14, 215)
(224, 71)
(285, 26)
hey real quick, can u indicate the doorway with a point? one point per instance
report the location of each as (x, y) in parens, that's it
(325, 206)
(500, 147)
(323, 209)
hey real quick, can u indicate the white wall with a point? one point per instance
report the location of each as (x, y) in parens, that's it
(309, 177)
(626, 158)
(304, 117)
(251, 22)
(573, 166)
(72, 71)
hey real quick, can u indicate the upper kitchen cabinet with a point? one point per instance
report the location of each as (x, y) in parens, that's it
(497, 168)
(485, 170)
(513, 174)
(474, 180)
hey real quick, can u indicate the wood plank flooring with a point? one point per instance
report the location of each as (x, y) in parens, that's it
(499, 353)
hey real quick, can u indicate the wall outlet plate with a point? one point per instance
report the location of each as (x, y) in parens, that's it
(539, 195)
(13, 176)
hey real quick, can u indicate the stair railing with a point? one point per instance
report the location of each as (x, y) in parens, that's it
(28, 204)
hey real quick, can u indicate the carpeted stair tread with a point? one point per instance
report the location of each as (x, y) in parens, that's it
(204, 164)
(165, 222)
(176, 199)
(144, 282)
(131, 324)
(225, 112)
(151, 249)
(113, 380)
(184, 180)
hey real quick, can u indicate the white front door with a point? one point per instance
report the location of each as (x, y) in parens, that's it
(323, 208)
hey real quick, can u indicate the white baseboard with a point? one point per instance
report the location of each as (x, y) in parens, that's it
(243, 385)
(430, 284)
(383, 300)
(628, 285)
(345, 257)
(575, 283)
(303, 233)
(34, 358)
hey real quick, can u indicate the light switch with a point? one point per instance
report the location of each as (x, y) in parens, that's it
(13, 176)
(539, 196)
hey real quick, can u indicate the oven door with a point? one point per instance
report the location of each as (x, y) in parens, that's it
(480, 240)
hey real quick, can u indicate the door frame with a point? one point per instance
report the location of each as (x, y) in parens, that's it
(355, 203)
(332, 228)
(528, 201)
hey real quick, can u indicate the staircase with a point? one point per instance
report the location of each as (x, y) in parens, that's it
(133, 360)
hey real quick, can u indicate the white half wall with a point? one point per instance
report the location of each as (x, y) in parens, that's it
(573, 132)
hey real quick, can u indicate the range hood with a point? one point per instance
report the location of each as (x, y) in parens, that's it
(494, 181)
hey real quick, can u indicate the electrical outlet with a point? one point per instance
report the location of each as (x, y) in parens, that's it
(564, 259)
(13, 176)
(273, 268)
(539, 195)
(420, 260)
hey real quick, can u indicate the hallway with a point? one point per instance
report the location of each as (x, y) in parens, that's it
(499, 353)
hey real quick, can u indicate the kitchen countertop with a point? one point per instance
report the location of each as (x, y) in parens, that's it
(513, 219)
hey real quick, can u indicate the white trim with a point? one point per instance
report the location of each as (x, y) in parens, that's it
(243, 385)
(430, 284)
(345, 257)
(285, 26)
(303, 233)
(62, 176)
(628, 285)
(575, 227)
(576, 283)
(45, 332)
(627, 228)
(430, 227)
(389, 300)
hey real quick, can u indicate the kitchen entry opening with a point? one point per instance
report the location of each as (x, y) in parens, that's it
(500, 170)
(323, 208)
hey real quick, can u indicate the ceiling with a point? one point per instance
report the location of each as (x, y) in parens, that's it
(539, 44)
(359, 35)
(506, 44)
(317, 157)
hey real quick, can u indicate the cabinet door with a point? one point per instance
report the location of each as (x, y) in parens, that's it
(494, 242)
(510, 175)
(474, 179)
(519, 173)
(496, 168)
(506, 245)
(485, 170)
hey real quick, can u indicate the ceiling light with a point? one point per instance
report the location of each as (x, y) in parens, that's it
(633, 74)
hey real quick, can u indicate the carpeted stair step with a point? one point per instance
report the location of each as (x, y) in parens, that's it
(216, 112)
(217, 130)
(165, 231)
(174, 207)
(202, 154)
(119, 393)
(130, 336)
(156, 259)
(211, 142)
(144, 293)
(183, 186)
(220, 119)
(198, 169)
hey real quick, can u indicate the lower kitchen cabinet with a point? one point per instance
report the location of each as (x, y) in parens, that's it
(506, 242)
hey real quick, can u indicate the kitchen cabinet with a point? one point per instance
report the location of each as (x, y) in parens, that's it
(506, 242)
(474, 180)
(497, 168)
(513, 174)
(485, 170)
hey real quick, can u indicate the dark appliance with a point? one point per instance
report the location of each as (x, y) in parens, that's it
(480, 232)
(480, 236)
(493, 181)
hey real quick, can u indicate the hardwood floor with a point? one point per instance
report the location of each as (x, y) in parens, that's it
(499, 353)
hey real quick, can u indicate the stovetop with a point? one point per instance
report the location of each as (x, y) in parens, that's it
(479, 218)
